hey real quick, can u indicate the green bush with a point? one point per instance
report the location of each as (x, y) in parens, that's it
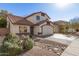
(11, 45)
(14, 46)
(28, 44)
(3, 22)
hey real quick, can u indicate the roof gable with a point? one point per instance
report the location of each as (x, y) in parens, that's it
(23, 20)
(36, 13)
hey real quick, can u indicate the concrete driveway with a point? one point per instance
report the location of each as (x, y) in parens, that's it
(73, 49)
(62, 38)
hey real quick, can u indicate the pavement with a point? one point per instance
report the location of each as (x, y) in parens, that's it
(61, 38)
(72, 49)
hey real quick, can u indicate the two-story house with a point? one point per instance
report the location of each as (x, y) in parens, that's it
(37, 23)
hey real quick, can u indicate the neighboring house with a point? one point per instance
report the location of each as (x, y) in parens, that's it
(35, 24)
(55, 28)
(74, 27)
(63, 26)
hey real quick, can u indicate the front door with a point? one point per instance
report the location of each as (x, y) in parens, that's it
(32, 30)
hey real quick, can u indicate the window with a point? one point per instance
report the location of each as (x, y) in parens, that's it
(38, 17)
(22, 29)
(42, 14)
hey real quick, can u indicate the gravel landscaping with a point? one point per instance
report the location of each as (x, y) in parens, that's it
(46, 48)
(37, 51)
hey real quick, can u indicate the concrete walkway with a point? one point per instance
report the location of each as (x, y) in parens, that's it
(73, 49)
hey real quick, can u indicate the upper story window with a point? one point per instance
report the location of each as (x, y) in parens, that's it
(42, 14)
(37, 17)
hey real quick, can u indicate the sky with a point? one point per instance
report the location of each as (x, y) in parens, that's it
(54, 11)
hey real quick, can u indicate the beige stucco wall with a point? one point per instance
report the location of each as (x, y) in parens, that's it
(14, 28)
(8, 21)
(56, 29)
(36, 30)
(34, 20)
(45, 30)
(25, 27)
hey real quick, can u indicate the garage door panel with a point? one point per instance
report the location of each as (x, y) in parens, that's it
(47, 30)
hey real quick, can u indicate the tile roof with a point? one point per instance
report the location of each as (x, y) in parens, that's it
(22, 20)
(61, 21)
(19, 20)
(14, 18)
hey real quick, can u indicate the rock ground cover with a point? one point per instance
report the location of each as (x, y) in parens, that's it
(46, 48)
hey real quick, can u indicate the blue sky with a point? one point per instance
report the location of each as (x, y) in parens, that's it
(56, 13)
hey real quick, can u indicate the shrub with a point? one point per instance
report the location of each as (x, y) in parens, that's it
(3, 22)
(28, 44)
(11, 45)
(14, 46)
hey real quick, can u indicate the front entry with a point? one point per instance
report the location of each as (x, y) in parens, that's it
(32, 30)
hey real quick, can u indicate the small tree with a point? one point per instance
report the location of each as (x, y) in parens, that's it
(3, 22)
(3, 17)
